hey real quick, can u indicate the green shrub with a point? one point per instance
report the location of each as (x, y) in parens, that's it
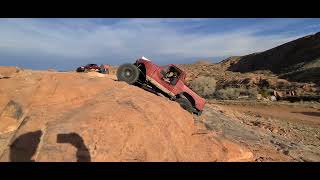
(204, 86)
(265, 92)
(226, 94)
(252, 93)
(234, 93)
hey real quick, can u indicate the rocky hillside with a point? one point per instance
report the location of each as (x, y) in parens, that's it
(294, 66)
(68, 116)
(249, 80)
(298, 60)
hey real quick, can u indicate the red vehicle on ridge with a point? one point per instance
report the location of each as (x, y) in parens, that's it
(103, 68)
(167, 80)
(88, 67)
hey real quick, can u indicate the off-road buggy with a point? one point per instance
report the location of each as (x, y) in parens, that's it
(168, 80)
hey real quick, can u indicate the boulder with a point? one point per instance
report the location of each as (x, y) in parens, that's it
(8, 71)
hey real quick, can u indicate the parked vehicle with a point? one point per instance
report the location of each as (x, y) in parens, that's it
(104, 69)
(88, 67)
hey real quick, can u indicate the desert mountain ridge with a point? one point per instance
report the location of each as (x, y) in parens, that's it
(298, 60)
(294, 66)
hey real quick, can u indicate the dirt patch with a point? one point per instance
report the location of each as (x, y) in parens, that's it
(269, 131)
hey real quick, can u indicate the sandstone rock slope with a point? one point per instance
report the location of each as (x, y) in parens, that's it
(68, 116)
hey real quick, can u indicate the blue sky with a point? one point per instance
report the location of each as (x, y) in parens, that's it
(67, 43)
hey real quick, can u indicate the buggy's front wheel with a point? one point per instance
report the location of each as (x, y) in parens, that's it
(128, 73)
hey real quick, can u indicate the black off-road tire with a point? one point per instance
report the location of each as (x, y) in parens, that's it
(199, 113)
(185, 104)
(102, 71)
(128, 73)
(79, 70)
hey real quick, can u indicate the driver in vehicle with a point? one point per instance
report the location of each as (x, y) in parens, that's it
(170, 76)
